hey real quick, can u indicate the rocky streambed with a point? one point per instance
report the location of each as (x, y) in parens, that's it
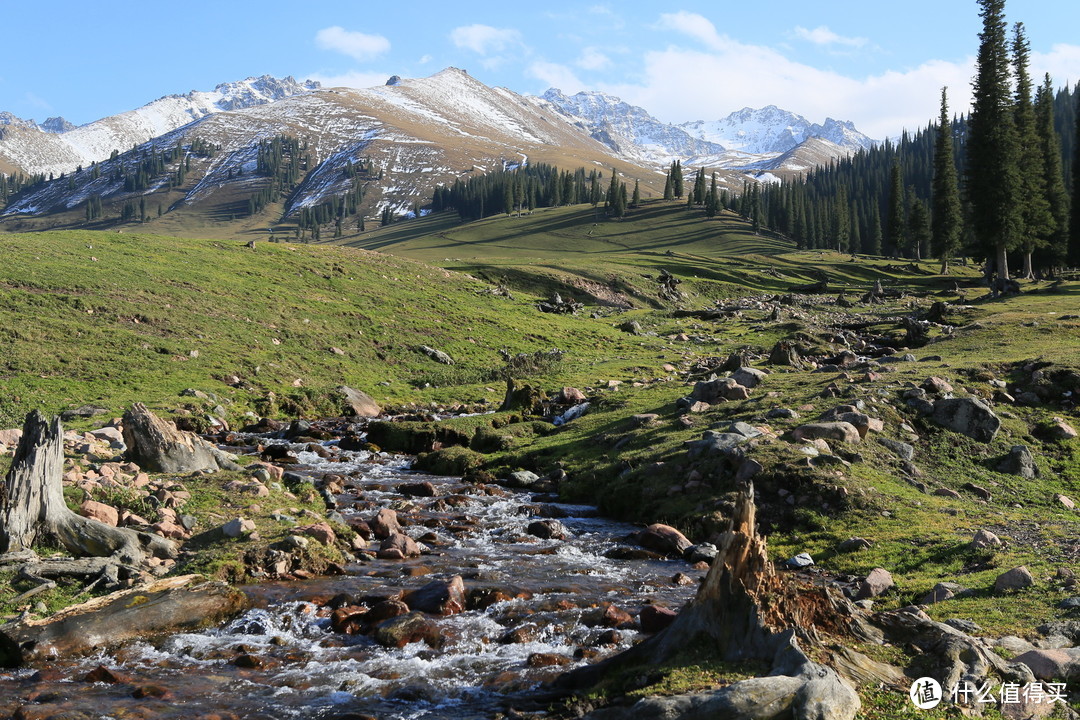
(463, 600)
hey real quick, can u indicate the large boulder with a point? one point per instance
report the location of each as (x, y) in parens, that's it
(967, 416)
(356, 403)
(714, 391)
(157, 446)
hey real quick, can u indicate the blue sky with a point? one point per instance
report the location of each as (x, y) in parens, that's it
(681, 61)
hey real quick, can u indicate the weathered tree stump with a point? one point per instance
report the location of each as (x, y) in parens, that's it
(32, 508)
(745, 610)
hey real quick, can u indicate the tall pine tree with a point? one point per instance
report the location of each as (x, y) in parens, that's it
(1034, 208)
(993, 177)
(896, 220)
(1057, 199)
(1074, 220)
(947, 218)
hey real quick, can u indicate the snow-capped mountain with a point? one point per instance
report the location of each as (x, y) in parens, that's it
(56, 146)
(628, 129)
(771, 130)
(408, 136)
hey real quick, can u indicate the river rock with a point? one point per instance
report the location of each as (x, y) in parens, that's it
(399, 631)
(386, 609)
(1015, 579)
(572, 396)
(547, 529)
(842, 431)
(385, 524)
(614, 617)
(523, 479)
(664, 539)
(967, 416)
(355, 403)
(397, 543)
(419, 489)
(799, 561)
(438, 597)
(1020, 462)
(654, 618)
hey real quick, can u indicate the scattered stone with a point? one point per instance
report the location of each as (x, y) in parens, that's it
(947, 492)
(100, 511)
(937, 386)
(801, 560)
(645, 419)
(876, 583)
(572, 396)
(1062, 430)
(984, 539)
(322, 532)
(1015, 579)
(978, 490)
(782, 414)
(963, 625)
(1065, 501)
(356, 403)
(842, 431)
(713, 442)
(614, 616)
(157, 446)
(437, 355)
(901, 449)
(1020, 462)
(523, 479)
(705, 552)
(941, 592)
(967, 416)
(539, 660)
(1063, 664)
(238, 527)
(854, 544)
(714, 391)
(748, 377)
(420, 489)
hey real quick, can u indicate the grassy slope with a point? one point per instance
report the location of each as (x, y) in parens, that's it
(230, 303)
(114, 318)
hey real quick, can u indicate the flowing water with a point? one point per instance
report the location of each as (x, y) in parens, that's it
(283, 660)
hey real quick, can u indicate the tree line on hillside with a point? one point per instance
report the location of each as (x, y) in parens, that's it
(993, 185)
(530, 186)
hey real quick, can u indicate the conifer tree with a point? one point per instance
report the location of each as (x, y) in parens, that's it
(993, 178)
(1034, 210)
(677, 178)
(1074, 219)
(872, 242)
(636, 199)
(669, 190)
(1057, 199)
(699, 187)
(896, 220)
(919, 233)
(947, 214)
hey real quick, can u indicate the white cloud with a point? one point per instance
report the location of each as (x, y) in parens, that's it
(743, 75)
(592, 59)
(353, 79)
(1062, 62)
(357, 45)
(425, 60)
(822, 35)
(485, 39)
(696, 26)
(555, 75)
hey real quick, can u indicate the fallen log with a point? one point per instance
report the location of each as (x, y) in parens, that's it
(177, 604)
